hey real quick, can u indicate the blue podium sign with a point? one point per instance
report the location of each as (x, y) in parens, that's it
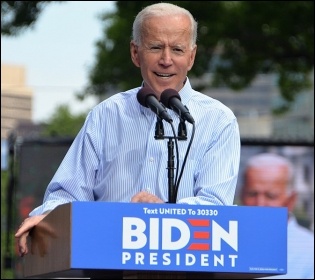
(177, 237)
(82, 239)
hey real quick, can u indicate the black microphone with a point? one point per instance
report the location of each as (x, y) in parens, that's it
(149, 99)
(171, 99)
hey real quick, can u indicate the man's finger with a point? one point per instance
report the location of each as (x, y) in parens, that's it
(22, 244)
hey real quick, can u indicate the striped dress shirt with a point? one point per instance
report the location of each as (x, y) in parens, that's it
(115, 155)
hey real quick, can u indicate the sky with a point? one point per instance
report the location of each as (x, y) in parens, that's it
(57, 53)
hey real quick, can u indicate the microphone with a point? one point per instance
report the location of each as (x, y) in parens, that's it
(171, 99)
(149, 99)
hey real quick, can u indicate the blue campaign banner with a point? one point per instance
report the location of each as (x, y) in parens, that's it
(179, 237)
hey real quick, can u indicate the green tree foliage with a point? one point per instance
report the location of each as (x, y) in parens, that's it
(236, 41)
(63, 123)
(16, 16)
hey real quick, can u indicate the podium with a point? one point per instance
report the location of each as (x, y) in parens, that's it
(158, 241)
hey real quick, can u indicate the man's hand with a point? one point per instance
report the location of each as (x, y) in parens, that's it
(24, 230)
(146, 197)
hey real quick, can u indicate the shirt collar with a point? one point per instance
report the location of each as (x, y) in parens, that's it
(185, 92)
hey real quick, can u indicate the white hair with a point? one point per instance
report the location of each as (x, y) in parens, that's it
(161, 9)
(272, 160)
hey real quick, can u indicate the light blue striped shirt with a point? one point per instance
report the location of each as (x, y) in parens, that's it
(115, 155)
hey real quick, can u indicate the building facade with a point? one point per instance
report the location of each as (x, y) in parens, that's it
(253, 107)
(16, 99)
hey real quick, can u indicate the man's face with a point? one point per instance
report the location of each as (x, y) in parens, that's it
(165, 55)
(267, 186)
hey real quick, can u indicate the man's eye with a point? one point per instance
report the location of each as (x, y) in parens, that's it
(251, 194)
(177, 50)
(271, 196)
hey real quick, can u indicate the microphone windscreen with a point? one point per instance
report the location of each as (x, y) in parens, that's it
(167, 95)
(143, 94)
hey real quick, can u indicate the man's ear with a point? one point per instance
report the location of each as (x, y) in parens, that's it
(134, 54)
(192, 58)
(292, 201)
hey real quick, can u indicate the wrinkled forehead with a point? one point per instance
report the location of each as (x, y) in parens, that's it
(266, 180)
(268, 171)
(178, 24)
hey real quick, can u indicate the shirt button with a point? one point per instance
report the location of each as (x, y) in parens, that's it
(151, 159)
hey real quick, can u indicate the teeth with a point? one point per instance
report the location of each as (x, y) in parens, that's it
(163, 75)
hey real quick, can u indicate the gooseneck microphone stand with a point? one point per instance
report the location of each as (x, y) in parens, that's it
(182, 135)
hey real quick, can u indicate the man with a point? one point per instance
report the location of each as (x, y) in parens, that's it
(115, 156)
(268, 181)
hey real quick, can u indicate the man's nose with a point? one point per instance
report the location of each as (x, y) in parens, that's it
(166, 57)
(261, 200)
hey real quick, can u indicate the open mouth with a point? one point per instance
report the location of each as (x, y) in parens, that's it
(164, 75)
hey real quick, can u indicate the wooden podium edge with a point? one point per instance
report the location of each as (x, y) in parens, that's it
(50, 244)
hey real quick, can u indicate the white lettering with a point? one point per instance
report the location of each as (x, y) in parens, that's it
(167, 243)
(125, 257)
(204, 260)
(176, 234)
(230, 237)
(153, 259)
(165, 259)
(133, 227)
(172, 211)
(217, 260)
(233, 257)
(154, 233)
(190, 259)
(139, 258)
